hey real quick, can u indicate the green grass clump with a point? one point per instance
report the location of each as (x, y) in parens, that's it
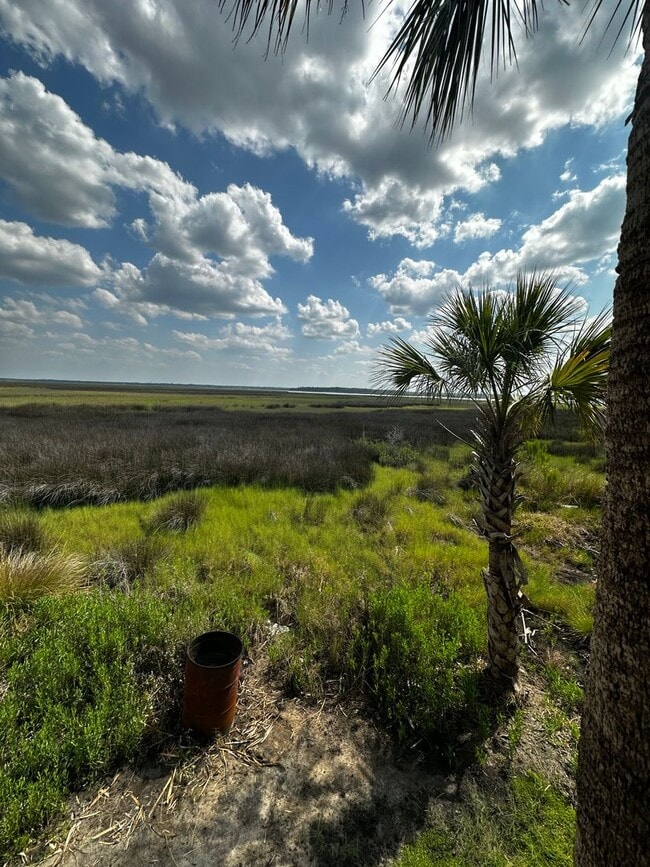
(21, 530)
(26, 575)
(79, 700)
(370, 511)
(178, 513)
(120, 567)
(419, 653)
(531, 826)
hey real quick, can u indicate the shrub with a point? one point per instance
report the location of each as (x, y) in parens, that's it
(26, 575)
(179, 513)
(21, 531)
(64, 724)
(419, 653)
(393, 454)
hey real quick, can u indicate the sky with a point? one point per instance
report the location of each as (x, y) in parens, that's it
(175, 208)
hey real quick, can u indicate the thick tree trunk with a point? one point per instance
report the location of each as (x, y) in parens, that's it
(614, 753)
(496, 477)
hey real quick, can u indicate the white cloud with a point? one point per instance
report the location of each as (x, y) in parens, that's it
(63, 173)
(415, 287)
(21, 310)
(393, 326)
(206, 288)
(476, 226)
(317, 99)
(254, 341)
(584, 229)
(326, 319)
(36, 260)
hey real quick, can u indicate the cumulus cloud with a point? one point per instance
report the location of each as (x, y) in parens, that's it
(206, 288)
(390, 326)
(476, 226)
(36, 260)
(326, 319)
(583, 230)
(62, 172)
(254, 341)
(318, 100)
(25, 311)
(415, 287)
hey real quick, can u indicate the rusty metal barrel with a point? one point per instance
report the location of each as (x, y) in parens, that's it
(212, 667)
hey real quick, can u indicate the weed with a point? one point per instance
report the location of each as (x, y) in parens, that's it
(515, 730)
(564, 689)
(430, 488)
(314, 511)
(27, 575)
(178, 513)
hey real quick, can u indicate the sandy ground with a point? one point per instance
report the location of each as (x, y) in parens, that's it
(292, 784)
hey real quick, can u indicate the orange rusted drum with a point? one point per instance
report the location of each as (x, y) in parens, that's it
(212, 667)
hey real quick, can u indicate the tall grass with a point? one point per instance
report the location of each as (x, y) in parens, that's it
(27, 575)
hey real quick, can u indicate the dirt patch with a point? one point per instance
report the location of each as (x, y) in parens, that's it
(292, 784)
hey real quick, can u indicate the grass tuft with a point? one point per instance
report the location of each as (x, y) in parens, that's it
(179, 513)
(21, 531)
(27, 575)
(119, 568)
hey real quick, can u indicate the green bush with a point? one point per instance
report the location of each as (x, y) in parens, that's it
(419, 653)
(79, 700)
(393, 454)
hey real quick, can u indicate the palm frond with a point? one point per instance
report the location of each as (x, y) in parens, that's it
(535, 316)
(439, 47)
(632, 12)
(469, 325)
(579, 378)
(401, 368)
(248, 17)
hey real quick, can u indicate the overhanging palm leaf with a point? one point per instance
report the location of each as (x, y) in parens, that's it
(438, 48)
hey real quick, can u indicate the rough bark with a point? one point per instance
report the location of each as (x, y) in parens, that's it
(614, 753)
(496, 477)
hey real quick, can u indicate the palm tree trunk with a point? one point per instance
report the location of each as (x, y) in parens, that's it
(496, 476)
(614, 753)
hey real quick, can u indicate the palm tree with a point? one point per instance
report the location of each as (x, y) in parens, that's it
(518, 356)
(443, 41)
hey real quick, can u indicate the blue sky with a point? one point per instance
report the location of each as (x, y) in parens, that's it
(176, 210)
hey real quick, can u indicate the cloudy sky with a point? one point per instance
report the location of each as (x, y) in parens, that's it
(174, 209)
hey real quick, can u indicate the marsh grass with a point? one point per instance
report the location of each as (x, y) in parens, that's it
(121, 566)
(21, 531)
(27, 575)
(96, 455)
(177, 514)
